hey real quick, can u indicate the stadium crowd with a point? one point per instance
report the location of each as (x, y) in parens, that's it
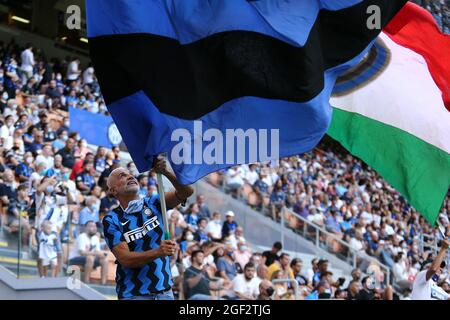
(53, 190)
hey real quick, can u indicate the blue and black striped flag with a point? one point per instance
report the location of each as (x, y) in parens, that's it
(182, 76)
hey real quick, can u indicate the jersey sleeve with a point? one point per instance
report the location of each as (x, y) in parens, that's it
(113, 235)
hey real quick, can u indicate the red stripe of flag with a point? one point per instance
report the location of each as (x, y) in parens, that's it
(415, 28)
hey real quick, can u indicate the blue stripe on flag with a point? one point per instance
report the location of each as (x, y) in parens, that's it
(189, 21)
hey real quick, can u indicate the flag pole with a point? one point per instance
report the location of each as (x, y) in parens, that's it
(162, 200)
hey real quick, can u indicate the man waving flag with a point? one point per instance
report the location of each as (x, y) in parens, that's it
(212, 82)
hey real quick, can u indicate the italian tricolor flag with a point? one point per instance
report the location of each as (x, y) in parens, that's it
(399, 122)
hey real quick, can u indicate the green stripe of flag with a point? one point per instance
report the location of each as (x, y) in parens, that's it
(415, 168)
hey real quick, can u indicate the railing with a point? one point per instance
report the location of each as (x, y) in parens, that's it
(326, 240)
(294, 285)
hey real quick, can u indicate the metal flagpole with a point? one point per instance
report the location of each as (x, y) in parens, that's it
(162, 200)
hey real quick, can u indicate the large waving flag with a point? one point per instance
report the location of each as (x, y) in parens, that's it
(391, 112)
(164, 65)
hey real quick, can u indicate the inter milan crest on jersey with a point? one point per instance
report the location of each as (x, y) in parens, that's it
(147, 212)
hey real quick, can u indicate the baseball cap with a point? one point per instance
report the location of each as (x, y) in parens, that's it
(229, 214)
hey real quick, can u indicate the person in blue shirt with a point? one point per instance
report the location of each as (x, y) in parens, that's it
(84, 180)
(134, 232)
(90, 213)
(229, 225)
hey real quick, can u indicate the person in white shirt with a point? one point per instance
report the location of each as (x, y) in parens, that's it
(49, 247)
(246, 285)
(72, 70)
(425, 285)
(46, 156)
(88, 253)
(88, 75)
(214, 227)
(27, 58)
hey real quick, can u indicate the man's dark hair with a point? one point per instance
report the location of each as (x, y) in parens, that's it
(284, 254)
(249, 265)
(200, 220)
(295, 261)
(278, 245)
(195, 253)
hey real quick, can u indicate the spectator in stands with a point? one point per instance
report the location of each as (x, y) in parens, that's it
(277, 200)
(214, 227)
(234, 181)
(269, 257)
(283, 263)
(203, 210)
(18, 209)
(246, 285)
(296, 267)
(197, 283)
(90, 213)
(88, 254)
(68, 153)
(143, 182)
(226, 265)
(322, 267)
(49, 249)
(229, 225)
(266, 291)
(200, 234)
(192, 217)
(85, 181)
(243, 254)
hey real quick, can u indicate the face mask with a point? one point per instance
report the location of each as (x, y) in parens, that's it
(5, 96)
(50, 189)
(29, 160)
(64, 138)
(189, 237)
(243, 248)
(230, 254)
(270, 291)
(66, 123)
(58, 77)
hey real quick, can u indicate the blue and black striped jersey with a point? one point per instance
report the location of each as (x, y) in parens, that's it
(142, 231)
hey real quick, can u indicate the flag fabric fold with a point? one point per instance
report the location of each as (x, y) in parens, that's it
(390, 110)
(235, 64)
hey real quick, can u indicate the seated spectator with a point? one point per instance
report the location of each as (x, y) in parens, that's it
(242, 254)
(214, 227)
(197, 283)
(203, 210)
(108, 203)
(68, 153)
(246, 285)
(269, 257)
(200, 234)
(296, 267)
(234, 181)
(192, 217)
(18, 209)
(90, 213)
(88, 254)
(277, 200)
(143, 182)
(281, 288)
(282, 264)
(322, 267)
(267, 291)
(229, 225)
(226, 265)
(85, 181)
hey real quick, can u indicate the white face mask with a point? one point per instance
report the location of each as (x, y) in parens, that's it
(5, 96)
(190, 237)
(29, 160)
